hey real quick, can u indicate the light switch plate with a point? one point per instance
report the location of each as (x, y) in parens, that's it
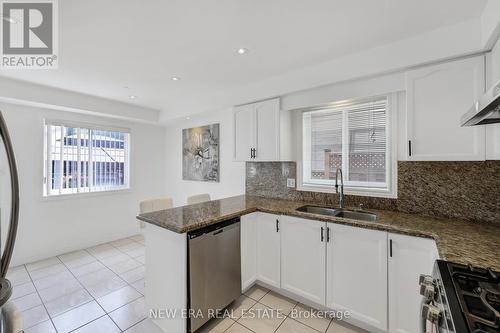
(290, 182)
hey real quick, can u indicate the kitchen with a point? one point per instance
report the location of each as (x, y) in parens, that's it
(266, 178)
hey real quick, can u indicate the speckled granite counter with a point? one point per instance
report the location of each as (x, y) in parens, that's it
(458, 241)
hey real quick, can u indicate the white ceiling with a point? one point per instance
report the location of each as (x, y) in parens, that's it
(117, 48)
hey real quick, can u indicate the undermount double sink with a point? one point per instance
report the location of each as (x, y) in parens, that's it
(340, 212)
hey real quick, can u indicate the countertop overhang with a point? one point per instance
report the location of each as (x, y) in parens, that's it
(459, 241)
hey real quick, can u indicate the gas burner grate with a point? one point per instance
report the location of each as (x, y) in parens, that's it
(478, 292)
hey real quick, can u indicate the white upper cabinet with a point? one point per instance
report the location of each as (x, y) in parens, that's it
(437, 96)
(303, 255)
(410, 257)
(268, 249)
(258, 129)
(248, 250)
(357, 274)
(268, 129)
(245, 133)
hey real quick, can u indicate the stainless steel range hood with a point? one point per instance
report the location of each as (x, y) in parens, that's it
(486, 110)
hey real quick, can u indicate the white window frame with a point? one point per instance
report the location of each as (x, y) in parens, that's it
(81, 191)
(393, 104)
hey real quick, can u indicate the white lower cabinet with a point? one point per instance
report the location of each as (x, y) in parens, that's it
(303, 255)
(268, 249)
(248, 229)
(357, 274)
(410, 257)
(370, 273)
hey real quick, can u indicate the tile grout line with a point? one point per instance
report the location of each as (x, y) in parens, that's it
(41, 300)
(106, 314)
(308, 325)
(286, 316)
(95, 299)
(128, 284)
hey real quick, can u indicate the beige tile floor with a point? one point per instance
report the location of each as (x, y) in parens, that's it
(101, 289)
(258, 300)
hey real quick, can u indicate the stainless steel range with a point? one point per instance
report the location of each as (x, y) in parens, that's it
(459, 298)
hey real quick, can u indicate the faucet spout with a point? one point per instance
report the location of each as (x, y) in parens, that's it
(341, 194)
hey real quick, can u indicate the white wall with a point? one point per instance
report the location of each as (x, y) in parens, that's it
(51, 226)
(495, 63)
(232, 174)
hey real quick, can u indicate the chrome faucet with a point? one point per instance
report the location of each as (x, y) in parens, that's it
(341, 194)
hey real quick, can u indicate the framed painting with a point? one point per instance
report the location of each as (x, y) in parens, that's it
(200, 153)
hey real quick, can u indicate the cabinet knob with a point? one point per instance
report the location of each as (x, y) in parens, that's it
(428, 291)
(431, 313)
(425, 279)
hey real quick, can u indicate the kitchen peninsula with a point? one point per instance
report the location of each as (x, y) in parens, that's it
(166, 244)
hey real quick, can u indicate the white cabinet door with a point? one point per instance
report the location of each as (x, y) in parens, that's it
(357, 274)
(303, 255)
(411, 256)
(244, 132)
(268, 249)
(437, 96)
(268, 130)
(248, 250)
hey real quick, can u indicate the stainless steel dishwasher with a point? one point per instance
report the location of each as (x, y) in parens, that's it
(214, 269)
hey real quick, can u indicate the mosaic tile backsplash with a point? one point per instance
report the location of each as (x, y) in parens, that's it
(462, 190)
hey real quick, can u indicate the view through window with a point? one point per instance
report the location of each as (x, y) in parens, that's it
(81, 159)
(352, 137)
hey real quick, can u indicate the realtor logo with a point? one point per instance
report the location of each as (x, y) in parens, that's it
(29, 34)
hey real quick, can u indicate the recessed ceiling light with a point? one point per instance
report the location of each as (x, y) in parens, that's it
(241, 50)
(175, 78)
(187, 118)
(132, 97)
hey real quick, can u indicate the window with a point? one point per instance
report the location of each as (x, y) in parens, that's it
(81, 158)
(353, 137)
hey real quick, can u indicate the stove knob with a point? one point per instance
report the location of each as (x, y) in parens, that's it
(428, 291)
(431, 313)
(425, 279)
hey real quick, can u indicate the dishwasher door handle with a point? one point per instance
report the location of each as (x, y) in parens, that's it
(218, 232)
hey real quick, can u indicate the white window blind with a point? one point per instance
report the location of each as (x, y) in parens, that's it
(81, 158)
(352, 137)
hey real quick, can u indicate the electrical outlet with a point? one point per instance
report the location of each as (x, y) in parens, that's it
(290, 182)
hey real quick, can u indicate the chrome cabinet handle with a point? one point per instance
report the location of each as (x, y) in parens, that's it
(322, 237)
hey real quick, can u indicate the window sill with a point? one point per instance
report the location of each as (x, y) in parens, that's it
(83, 195)
(381, 193)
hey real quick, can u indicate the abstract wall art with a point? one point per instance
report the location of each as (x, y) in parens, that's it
(200, 153)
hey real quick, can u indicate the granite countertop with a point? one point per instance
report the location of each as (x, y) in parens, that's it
(458, 241)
